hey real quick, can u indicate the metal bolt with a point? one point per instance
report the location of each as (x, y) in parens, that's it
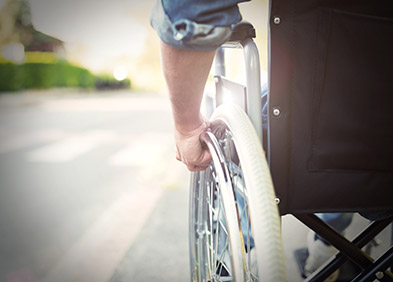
(277, 20)
(276, 112)
(277, 200)
(377, 242)
(379, 275)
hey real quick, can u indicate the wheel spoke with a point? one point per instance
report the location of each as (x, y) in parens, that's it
(217, 231)
(210, 235)
(220, 262)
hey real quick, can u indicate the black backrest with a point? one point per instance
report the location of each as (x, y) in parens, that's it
(331, 105)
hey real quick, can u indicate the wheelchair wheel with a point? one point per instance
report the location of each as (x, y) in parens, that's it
(235, 232)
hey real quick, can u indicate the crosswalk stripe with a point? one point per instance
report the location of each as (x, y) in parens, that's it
(108, 105)
(69, 148)
(142, 150)
(59, 146)
(15, 141)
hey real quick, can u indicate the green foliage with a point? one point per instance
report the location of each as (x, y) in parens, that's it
(10, 77)
(60, 74)
(46, 75)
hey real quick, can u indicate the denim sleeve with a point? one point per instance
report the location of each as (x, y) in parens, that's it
(201, 25)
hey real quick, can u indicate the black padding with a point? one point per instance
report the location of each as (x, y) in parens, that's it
(331, 76)
(242, 31)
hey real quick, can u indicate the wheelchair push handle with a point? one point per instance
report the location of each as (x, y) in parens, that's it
(242, 37)
(242, 31)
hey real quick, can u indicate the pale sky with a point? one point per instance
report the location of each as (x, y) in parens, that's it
(96, 32)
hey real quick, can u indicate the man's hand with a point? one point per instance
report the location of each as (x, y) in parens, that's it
(190, 149)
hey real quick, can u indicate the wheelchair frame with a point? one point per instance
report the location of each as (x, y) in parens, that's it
(371, 269)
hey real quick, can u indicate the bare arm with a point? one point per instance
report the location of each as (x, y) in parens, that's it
(186, 72)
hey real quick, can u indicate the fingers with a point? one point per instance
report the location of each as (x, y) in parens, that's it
(196, 162)
(203, 163)
(206, 158)
(196, 168)
(199, 165)
(190, 150)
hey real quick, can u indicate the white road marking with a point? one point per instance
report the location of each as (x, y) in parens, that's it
(140, 151)
(71, 147)
(105, 104)
(12, 141)
(143, 150)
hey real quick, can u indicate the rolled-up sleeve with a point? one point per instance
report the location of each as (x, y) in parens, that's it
(200, 25)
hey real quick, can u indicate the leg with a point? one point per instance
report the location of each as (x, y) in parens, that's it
(320, 250)
(339, 221)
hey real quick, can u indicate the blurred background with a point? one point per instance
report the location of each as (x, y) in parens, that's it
(87, 44)
(82, 44)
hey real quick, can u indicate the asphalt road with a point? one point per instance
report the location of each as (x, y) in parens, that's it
(80, 177)
(90, 191)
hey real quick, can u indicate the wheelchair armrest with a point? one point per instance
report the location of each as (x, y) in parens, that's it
(242, 31)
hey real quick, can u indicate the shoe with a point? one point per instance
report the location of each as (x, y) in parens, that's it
(319, 253)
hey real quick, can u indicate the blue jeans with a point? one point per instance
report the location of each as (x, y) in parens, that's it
(201, 25)
(339, 221)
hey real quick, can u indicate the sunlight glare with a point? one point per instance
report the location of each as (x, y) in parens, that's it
(120, 73)
(227, 96)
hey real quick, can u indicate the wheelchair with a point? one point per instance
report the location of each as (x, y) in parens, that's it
(327, 146)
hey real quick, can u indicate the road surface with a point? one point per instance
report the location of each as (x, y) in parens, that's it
(90, 190)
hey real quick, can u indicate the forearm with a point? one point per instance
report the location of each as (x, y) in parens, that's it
(186, 72)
